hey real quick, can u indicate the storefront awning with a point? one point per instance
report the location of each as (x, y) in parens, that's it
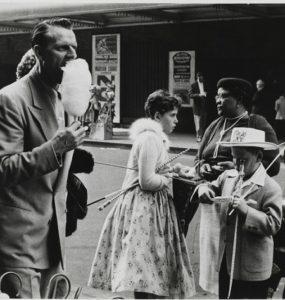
(19, 16)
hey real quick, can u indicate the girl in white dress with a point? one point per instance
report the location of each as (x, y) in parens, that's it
(142, 248)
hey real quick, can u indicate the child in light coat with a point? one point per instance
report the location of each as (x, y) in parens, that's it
(249, 195)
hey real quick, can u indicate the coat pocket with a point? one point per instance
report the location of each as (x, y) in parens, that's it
(257, 253)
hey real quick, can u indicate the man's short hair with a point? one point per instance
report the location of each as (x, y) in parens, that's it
(39, 33)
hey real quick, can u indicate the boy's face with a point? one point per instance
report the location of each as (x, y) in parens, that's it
(250, 159)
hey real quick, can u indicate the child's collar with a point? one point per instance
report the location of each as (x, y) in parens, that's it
(257, 178)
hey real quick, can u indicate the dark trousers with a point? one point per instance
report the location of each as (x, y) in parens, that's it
(200, 110)
(143, 295)
(241, 289)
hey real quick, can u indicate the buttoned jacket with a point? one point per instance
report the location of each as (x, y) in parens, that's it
(254, 250)
(32, 179)
(194, 91)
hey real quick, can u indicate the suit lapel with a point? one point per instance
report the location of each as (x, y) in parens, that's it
(250, 189)
(42, 108)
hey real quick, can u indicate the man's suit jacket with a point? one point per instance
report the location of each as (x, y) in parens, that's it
(194, 91)
(254, 250)
(32, 179)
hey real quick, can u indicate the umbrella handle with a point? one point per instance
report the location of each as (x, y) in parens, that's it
(54, 288)
(17, 276)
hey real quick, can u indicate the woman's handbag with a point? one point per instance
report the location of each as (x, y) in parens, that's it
(185, 200)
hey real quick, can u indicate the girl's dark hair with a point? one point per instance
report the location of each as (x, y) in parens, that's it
(160, 102)
(40, 31)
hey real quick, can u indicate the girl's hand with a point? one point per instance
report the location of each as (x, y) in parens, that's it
(187, 172)
(177, 167)
(184, 171)
(166, 171)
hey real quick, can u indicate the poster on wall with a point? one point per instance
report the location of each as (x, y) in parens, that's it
(181, 74)
(106, 65)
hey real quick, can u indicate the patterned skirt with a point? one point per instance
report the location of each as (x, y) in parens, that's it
(142, 248)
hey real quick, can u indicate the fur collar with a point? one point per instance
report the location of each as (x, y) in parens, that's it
(147, 124)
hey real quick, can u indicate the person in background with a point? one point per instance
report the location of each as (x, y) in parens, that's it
(26, 63)
(142, 248)
(95, 104)
(198, 92)
(35, 155)
(263, 101)
(280, 117)
(252, 205)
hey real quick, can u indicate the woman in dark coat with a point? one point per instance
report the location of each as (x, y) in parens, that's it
(232, 101)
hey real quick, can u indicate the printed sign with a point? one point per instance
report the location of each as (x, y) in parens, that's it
(106, 65)
(181, 74)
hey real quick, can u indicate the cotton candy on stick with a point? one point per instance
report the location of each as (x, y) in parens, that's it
(76, 82)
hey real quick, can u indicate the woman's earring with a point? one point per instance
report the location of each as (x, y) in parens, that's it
(156, 116)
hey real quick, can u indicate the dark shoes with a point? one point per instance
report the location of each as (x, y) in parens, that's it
(198, 138)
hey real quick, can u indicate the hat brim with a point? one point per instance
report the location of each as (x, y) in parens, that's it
(264, 146)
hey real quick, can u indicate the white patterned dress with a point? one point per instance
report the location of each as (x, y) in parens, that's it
(141, 247)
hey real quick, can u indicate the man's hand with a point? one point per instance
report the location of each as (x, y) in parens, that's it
(206, 194)
(69, 138)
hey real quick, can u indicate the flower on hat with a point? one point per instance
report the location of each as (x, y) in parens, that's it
(248, 137)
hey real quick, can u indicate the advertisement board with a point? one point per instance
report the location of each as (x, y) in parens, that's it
(181, 74)
(106, 65)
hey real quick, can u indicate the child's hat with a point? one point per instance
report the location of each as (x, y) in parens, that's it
(248, 137)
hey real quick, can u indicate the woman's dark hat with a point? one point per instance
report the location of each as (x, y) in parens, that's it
(231, 82)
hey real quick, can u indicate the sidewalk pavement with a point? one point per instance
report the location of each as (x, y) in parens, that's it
(90, 293)
(120, 139)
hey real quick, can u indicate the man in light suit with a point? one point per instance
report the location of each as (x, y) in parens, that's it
(250, 212)
(198, 93)
(36, 143)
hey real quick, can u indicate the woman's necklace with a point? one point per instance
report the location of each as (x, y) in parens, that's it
(224, 130)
